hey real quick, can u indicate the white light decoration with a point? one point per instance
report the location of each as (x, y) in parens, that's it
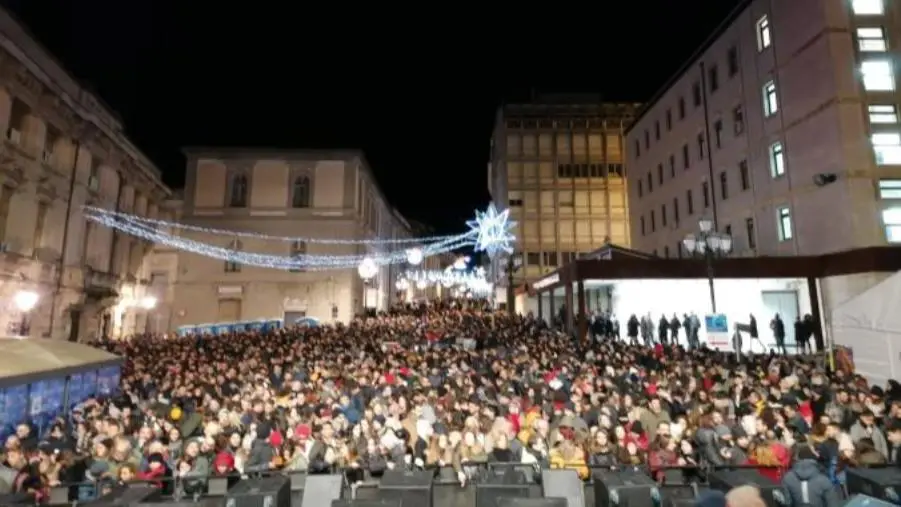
(422, 284)
(367, 269)
(402, 284)
(414, 256)
(489, 232)
(493, 231)
(26, 300)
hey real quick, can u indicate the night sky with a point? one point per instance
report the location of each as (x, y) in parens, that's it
(416, 88)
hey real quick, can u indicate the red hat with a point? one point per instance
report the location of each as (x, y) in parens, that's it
(302, 431)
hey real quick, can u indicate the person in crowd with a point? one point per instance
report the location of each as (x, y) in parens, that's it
(806, 483)
(394, 391)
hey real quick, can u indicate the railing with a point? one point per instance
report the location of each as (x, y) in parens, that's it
(97, 278)
(448, 491)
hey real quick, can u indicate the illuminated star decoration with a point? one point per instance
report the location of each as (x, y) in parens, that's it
(493, 231)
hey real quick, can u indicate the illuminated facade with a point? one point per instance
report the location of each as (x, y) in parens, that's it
(558, 165)
(62, 149)
(783, 129)
(308, 193)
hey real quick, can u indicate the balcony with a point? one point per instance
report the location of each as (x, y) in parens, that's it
(101, 281)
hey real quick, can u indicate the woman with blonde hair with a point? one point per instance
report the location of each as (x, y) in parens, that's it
(567, 455)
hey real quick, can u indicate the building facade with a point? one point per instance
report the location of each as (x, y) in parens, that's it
(783, 129)
(293, 194)
(558, 165)
(62, 149)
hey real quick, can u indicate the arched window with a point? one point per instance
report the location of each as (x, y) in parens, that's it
(298, 248)
(232, 266)
(300, 197)
(238, 197)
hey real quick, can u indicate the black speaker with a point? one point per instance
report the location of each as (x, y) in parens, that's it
(130, 495)
(531, 502)
(630, 487)
(679, 496)
(564, 484)
(412, 488)
(321, 490)
(773, 494)
(509, 484)
(882, 483)
(366, 503)
(273, 491)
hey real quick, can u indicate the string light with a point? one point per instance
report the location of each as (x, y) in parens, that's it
(157, 223)
(488, 232)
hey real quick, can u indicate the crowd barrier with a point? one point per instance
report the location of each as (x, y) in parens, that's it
(262, 326)
(448, 490)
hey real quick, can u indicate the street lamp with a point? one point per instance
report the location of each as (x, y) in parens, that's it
(708, 244)
(25, 301)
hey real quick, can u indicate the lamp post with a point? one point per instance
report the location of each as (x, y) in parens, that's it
(710, 245)
(25, 301)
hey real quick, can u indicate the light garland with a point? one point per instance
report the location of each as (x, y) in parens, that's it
(491, 236)
(157, 223)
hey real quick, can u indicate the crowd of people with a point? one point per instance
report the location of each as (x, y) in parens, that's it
(451, 386)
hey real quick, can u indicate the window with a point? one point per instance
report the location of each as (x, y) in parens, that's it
(238, 195)
(517, 203)
(764, 39)
(300, 197)
(743, 177)
(533, 259)
(672, 166)
(653, 221)
(732, 61)
(689, 203)
(696, 94)
(724, 185)
(890, 189)
(700, 146)
(878, 76)
(40, 222)
(641, 222)
(640, 189)
(713, 78)
(660, 174)
(705, 194)
(891, 219)
(666, 251)
(232, 266)
(770, 102)
(663, 215)
(871, 40)
(637, 149)
(777, 160)
(681, 108)
(669, 120)
(650, 180)
(718, 133)
(685, 161)
(749, 231)
(298, 249)
(784, 218)
(887, 147)
(738, 120)
(657, 130)
(676, 210)
(883, 114)
(647, 139)
(868, 7)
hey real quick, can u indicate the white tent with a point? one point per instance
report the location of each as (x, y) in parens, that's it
(870, 325)
(28, 359)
